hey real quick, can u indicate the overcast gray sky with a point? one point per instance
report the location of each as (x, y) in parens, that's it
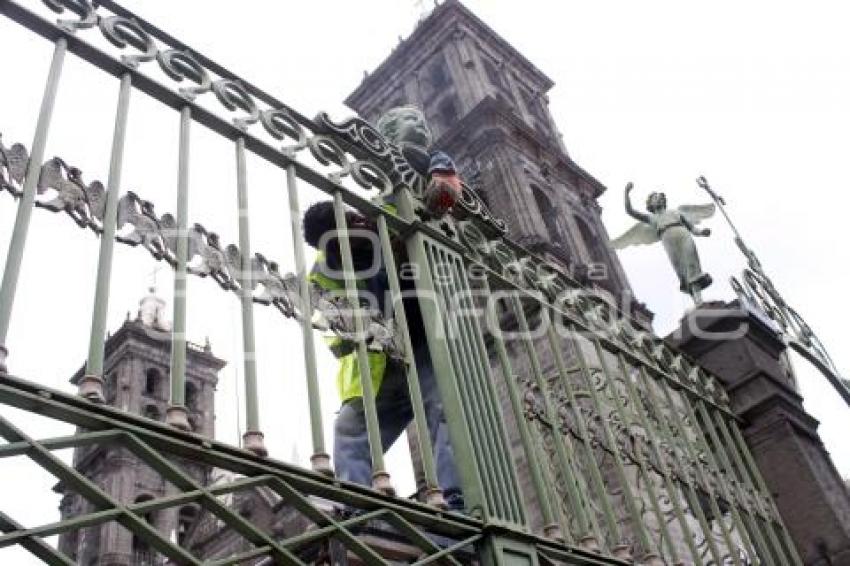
(752, 95)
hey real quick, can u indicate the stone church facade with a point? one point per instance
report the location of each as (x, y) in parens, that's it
(487, 107)
(136, 370)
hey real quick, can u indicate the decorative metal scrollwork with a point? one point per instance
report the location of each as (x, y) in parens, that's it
(758, 292)
(84, 203)
(179, 65)
(139, 214)
(82, 8)
(61, 188)
(13, 167)
(122, 32)
(233, 96)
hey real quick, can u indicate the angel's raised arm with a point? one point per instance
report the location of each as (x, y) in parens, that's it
(630, 210)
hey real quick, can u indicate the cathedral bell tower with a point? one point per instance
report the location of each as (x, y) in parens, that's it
(136, 371)
(487, 107)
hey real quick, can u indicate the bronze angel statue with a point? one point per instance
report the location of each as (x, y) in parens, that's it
(675, 229)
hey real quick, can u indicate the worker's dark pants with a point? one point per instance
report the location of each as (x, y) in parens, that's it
(351, 445)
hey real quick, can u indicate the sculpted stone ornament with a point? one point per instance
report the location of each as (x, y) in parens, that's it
(675, 229)
(405, 126)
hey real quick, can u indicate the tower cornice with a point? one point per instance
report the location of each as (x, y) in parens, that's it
(490, 112)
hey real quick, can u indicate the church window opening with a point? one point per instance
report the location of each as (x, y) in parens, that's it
(548, 212)
(191, 396)
(153, 377)
(143, 555)
(186, 517)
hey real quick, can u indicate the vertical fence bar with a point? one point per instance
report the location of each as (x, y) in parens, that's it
(544, 492)
(176, 414)
(460, 429)
(380, 477)
(475, 353)
(433, 493)
(614, 534)
(319, 460)
(694, 457)
(748, 516)
(462, 362)
(15, 255)
(771, 544)
(714, 468)
(586, 533)
(91, 384)
(640, 529)
(763, 491)
(253, 438)
(668, 435)
(654, 554)
(461, 434)
(653, 436)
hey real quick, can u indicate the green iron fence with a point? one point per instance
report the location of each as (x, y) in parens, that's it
(581, 438)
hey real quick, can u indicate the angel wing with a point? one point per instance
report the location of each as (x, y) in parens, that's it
(695, 213)
(641, 234)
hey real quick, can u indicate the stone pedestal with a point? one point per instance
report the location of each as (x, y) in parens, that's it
(743, 349)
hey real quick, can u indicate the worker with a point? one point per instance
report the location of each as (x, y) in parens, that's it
(352, 458)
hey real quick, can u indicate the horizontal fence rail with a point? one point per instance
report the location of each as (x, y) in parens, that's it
(579, 436)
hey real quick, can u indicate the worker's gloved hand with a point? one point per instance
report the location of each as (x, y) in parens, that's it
(442, 192)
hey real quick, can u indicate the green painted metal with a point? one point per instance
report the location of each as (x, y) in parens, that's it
(669, 436)
(614, 536)
(461, 356)
(156, 444)
(34, 545)
(762, 490)
(757, 516)
(579, 506)
(630, 500)
(470, 357)
(543, 489)
(320, 457)
(95, 495)
(371, 412)
(737, 497)
(178, 333)
(465, 449)
(694, 458)
(14, 256)
(246, 283)
(613, 393)
(715, 470)
(482, 448)
(426, 450)
(94, 365)
(654, 439)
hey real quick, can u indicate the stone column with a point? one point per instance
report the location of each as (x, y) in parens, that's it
(744, 350)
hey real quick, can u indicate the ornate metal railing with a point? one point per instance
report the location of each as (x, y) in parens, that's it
(580, 437)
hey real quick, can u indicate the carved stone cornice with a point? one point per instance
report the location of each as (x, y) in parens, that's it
(491, 112)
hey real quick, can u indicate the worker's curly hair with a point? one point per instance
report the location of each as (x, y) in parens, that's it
(318, 220)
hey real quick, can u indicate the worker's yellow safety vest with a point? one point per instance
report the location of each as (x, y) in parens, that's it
(348, 377)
